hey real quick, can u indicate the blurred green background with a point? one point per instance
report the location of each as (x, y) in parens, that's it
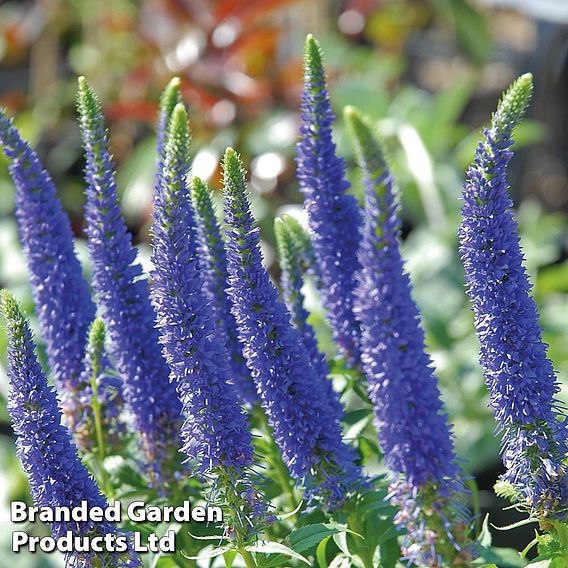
(428, 71)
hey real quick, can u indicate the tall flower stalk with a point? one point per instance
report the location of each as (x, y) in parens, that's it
(124, 297)
(520, 378)
(215, 435)
(413, 428)
(213, 264)
(56, 475)
(333, 214)
(291, 261)
(305, 426)
(61, 295)
(101, 428)
(305, 248)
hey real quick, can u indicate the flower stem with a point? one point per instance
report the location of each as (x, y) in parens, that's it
(101, 450)
(248, 558)
(97, 414)
(279, 466)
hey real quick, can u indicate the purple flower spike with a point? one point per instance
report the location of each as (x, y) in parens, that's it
(61, 295)
(333, 215)
(124, 297)
(520, 378)
(215, 435)
(56, 475)
(291, 259)
(413, 428)
(306, 427)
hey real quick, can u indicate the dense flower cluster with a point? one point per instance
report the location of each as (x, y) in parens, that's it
(334, 217)
(213, 264)
(215, 434)
(413, 429)
(124, 297)
(306, 427)
(61, 294)
(519, 376)
(216, 431)
(55, 473)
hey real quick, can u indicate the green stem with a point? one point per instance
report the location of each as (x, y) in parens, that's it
(283, 479)
(472, 486)
(278, 465)
(365, 551)
(101, 450)
(248, 558)
(97, 413)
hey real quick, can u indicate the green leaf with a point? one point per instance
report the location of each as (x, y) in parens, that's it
(485, 539)
(269, 547)
(372, 502)
(305, 538)
(357, 561)
(342, 528)
(341, 561)
(308, 536)
(122, 473)
(321, 552)
(354, 416)
(502, 557)
(440, 122)
(340, 540)
(213, 552)
(161, 561)
(355, 430)
(368, 449)
(516, 525)
(389, 533)
(389, 553)
(229, 558)
(470, 27)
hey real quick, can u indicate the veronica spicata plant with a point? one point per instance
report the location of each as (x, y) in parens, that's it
(333, 214)
(413, 429)
(206, 352)
(520, 378)
(61, 295)
(215, 435)
(56, 475)
(306, 427)
(124, 297)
